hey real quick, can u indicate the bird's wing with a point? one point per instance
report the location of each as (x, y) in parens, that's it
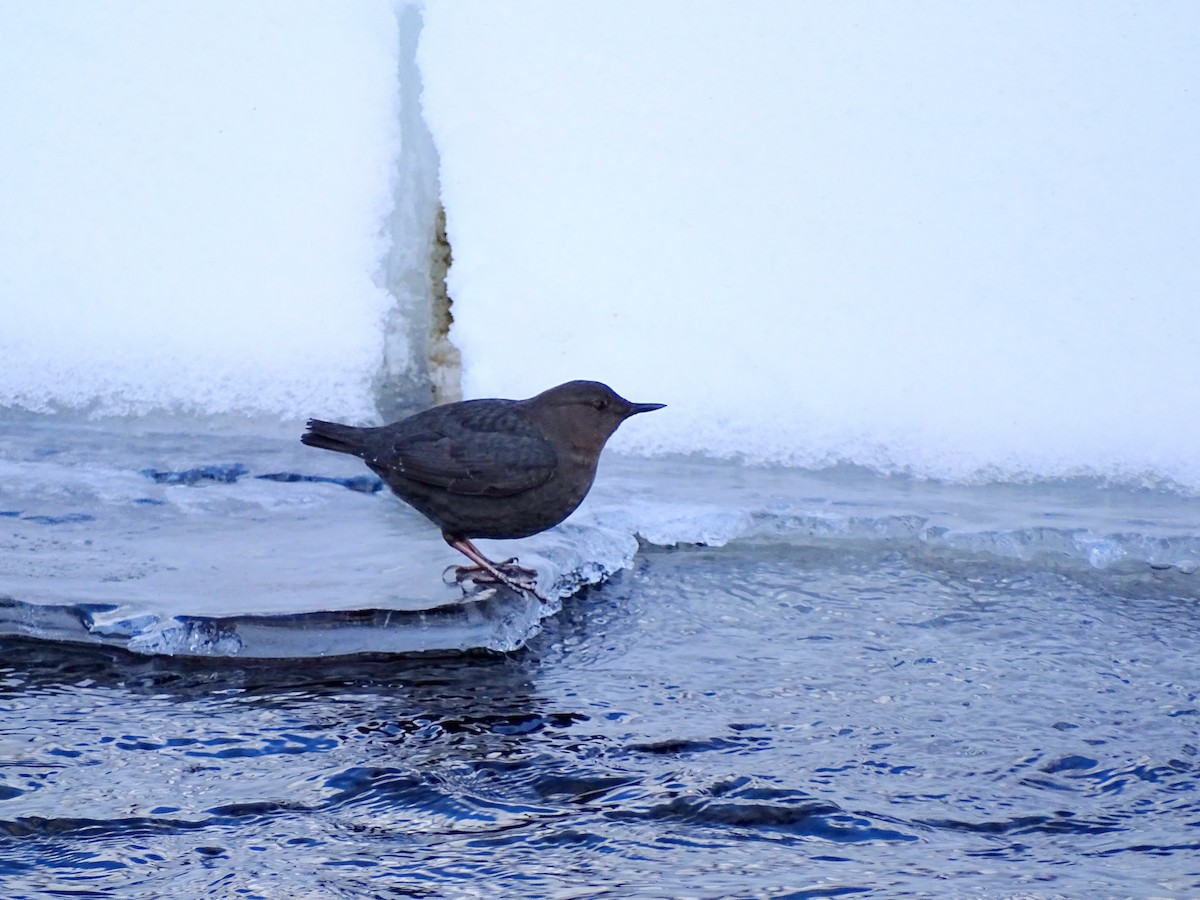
(486, 449)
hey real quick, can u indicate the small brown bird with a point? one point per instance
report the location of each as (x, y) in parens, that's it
(491, 468)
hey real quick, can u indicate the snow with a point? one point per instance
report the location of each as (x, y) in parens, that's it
(950, 239)
(954, 240)
(194, 204)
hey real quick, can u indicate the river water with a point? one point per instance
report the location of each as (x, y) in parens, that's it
(759, 720)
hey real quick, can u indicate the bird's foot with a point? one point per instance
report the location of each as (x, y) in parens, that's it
(507, 573)
(485, 572)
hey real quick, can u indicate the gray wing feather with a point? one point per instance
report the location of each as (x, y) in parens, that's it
(485, 450)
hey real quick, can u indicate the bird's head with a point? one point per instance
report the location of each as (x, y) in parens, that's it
(588, 412)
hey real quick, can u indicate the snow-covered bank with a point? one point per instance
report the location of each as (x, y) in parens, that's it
(196, 205)
(951, 240)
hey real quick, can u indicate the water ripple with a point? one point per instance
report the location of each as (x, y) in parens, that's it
(754, 722)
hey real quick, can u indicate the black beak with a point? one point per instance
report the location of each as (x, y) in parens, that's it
(635, 408)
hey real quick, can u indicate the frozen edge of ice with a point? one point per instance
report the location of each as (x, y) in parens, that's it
(1109, 534)
(495, 619)
(571, 557)
(1080, 545)
(501, 621)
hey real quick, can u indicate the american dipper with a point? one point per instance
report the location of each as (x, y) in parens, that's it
(491, 468)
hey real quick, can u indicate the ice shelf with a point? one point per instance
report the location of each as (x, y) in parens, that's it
(220, 543)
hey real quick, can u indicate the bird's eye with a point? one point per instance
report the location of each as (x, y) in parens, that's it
(600, 404)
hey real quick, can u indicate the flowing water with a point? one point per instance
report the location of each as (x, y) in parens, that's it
(779, 684)
(764, 719)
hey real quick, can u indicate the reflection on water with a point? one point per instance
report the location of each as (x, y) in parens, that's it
(759, 720)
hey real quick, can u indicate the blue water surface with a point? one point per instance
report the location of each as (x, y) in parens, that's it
(764, 719)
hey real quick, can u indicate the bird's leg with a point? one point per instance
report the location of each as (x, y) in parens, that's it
(507, 573)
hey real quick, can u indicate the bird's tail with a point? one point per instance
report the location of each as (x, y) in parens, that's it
(333, 436)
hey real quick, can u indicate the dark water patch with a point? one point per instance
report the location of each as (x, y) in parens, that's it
(227, 473)
(802, 819)
(684, 746)
(430, 800)
(508, 724)
(817, 892)
(579, 788)
(286, 745)
(1083, 773)
(752, 810)
(1060, 822)
(90, 829)
(365, 484)
(1189, 847)
(255, 810)
(65, 519)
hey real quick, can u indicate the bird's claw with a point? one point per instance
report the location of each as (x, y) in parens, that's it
(507, 573)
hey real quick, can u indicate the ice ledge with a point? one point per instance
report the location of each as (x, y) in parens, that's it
(501, 621)
(231, 545)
